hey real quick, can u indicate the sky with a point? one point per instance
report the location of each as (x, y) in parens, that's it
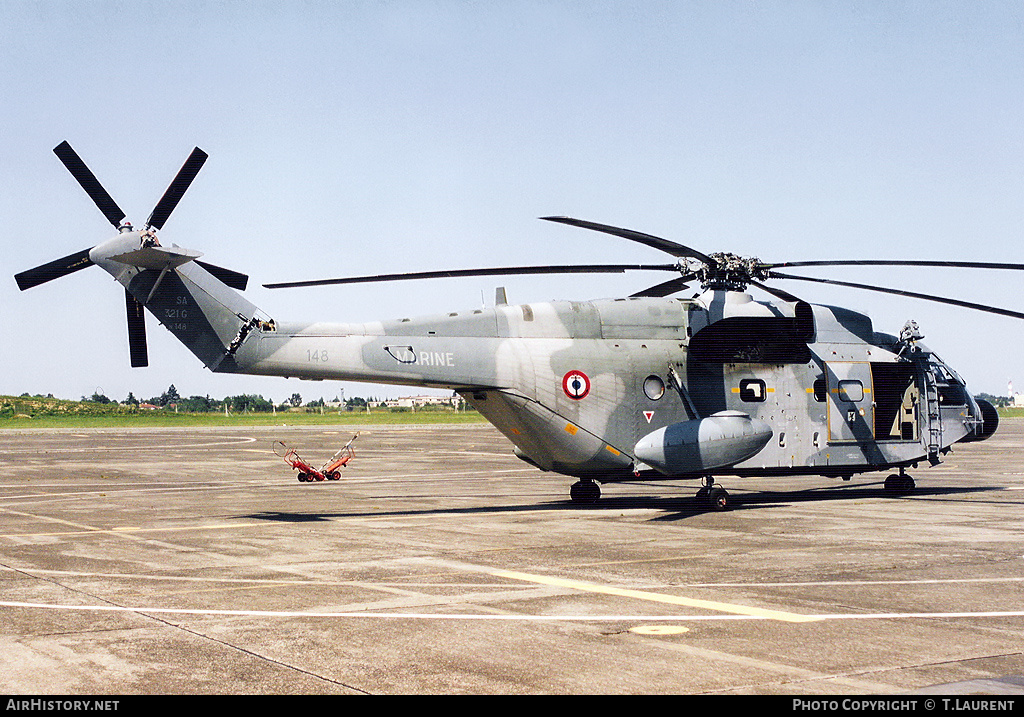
(350, 138)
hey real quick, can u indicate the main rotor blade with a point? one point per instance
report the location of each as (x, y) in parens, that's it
(177, 188)
(665, 245)
(498, 271)
(89, 183)
(666, 288)
(901, 292)
(136, 331)
(784, 295)
(896, 262)
(53, 270)
(234, 279)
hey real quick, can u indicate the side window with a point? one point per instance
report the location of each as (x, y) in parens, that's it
(753, 390)
(654, 387)
(820, 390)
(851, 391)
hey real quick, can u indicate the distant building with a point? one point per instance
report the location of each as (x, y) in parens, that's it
(415, 402)
(1016, 399)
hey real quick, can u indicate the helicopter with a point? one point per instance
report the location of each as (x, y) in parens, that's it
(652, 386)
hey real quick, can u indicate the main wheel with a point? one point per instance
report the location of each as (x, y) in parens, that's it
(718, 498)
(584, 491)
(899, 484)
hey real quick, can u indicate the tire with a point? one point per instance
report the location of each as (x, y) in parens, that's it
(718, 499)
(584, 492)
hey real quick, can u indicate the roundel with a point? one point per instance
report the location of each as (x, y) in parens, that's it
(576, 385)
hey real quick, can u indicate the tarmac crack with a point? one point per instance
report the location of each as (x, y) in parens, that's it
(850, 677)
(183, 628)
(255, 655)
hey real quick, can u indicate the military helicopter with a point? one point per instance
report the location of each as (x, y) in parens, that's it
(650, 386)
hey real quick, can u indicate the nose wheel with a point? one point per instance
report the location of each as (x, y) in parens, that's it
(713, 496)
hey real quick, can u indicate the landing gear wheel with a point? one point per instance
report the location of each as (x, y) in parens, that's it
(899, 484)
(584, 491)
(713, 496)
(718, 498)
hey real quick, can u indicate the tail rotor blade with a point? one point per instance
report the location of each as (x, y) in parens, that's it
(136, 331)
(177, 188)
(89, 183)
(53, 270)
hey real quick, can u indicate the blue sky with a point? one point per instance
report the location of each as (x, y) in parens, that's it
(367, 137)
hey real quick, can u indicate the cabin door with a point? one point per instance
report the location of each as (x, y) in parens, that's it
(851, 414)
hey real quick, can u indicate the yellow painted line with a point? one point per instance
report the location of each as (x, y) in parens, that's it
(612, 451)
(656, 597)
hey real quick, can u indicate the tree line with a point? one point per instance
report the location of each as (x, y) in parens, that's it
(242, 403)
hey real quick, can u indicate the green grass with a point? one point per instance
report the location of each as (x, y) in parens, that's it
(36, 412)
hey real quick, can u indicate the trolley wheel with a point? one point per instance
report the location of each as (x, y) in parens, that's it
(334, 475)
(303, 477)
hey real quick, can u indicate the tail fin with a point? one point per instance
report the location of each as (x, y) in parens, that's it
(194, 300)
(200, 309)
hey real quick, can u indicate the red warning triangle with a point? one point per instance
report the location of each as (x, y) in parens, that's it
(648, 415)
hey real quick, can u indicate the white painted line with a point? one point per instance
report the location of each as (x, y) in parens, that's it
(833, 583)
(314, 581)
(503, 618)
(128, 530)
(185, 445)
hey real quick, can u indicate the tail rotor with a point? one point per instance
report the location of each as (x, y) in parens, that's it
(108, 207)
